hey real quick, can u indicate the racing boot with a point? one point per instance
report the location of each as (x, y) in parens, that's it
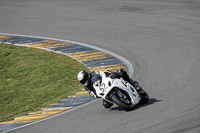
(139, 89)
(107, 104)
(135, 84)
(122, 73)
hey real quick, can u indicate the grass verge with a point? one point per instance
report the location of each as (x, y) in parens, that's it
(32, 78)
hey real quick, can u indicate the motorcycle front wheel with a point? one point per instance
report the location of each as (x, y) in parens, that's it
(121, 104)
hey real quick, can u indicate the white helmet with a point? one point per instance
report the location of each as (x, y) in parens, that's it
(83, 77)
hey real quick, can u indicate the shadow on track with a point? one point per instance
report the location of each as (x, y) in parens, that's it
(151, 101)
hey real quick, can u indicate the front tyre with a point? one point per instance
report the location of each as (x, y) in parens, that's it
(120, 103)
(107, 104)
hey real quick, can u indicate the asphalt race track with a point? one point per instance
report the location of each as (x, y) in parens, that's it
(161, 38)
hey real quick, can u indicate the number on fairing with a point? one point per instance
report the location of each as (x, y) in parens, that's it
(102, 87)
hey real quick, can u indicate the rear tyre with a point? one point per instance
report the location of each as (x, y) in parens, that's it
(144, 97)
(120, 103)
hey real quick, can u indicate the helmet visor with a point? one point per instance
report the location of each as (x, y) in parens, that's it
(84, 81)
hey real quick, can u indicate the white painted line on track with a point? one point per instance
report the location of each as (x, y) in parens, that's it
(128, 64)
(51, 117)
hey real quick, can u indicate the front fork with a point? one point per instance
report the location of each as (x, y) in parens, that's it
(121, 96)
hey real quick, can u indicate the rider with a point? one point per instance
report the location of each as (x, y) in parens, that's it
(85, 78)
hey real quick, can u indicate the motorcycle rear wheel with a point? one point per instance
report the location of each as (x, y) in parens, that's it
(144, 97)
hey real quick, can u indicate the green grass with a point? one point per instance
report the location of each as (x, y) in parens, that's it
(32, 78)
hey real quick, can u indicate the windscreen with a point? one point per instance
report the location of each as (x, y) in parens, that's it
(97, 79)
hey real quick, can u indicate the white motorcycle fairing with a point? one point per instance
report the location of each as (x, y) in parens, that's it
(107, 84)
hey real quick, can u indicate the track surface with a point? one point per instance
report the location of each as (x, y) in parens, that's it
(161, 38)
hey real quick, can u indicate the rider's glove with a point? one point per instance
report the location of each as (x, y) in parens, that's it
(107, 73)
(92, 93)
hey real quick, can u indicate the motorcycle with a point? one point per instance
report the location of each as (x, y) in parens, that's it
(118, 91)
